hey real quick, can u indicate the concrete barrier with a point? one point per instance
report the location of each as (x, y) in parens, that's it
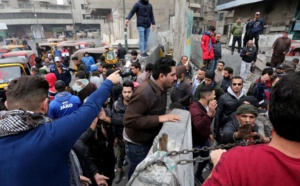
(179, 138)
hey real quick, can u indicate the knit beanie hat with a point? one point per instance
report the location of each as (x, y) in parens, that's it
(247, 109)
(180, 70)
(210, 74)
(250, 99)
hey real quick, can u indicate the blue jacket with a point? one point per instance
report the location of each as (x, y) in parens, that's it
(57, 53)
(218, 50)
(88, 61)
(256, 26)
(144, 14)
(41, 156)
(63, 104)
(65, 76)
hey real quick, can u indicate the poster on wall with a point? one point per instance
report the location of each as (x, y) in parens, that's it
(190, 17)
(226, 4)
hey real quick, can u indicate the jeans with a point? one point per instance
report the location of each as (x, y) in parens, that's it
(236, 39)
(143, 38)
(245, 69)
(256, 37)
(136, 154)
(213, 64)
(201, 165)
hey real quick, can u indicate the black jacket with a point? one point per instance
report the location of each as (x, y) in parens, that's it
(230, 128)
(117, 117)
(121, 52)
(182, 93)
(227, 104)
(225, 83)
(144, 13)
(82, 67)
(251, 57)
(65, 75)
(91, 150)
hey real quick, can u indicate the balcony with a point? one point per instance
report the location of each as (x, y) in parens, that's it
(196, 14)
(194, 5)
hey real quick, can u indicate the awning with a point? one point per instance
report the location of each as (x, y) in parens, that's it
(227, 4)
(3, 26)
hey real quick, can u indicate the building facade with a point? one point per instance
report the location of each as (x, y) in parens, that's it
(278, 16)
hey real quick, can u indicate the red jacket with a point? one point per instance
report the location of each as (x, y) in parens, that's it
(207, 47)
(200, 123)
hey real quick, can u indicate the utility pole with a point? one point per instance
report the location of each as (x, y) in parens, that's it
(73, 27)
(125, 28)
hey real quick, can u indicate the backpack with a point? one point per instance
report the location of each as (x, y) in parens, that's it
(251, 89)
(110, 57)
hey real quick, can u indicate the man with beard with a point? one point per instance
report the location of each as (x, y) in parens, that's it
(145, 17)
(198, 79)
(227, 104)
(202, 113)
(280, 48)
(119, 108)
(226, 81)
(280, 157)
(146, 112)
(219, 72)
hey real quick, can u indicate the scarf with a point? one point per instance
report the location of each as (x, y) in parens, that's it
(17, 121)
(80, 84)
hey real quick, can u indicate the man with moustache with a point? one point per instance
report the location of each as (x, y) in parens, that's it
(146, 112)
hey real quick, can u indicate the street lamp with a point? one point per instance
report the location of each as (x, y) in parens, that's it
(37, 21)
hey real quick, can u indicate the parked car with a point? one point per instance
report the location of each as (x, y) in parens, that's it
(11, 68)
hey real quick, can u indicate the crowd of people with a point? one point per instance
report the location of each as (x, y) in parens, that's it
(54, 132)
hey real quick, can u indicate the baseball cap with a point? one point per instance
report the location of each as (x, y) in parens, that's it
(56, 59)
(282, 67)
(257, 13)
(94, 68)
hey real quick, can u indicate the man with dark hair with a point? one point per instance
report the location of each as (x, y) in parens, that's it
(119, 108)
(237, 31)
(207, 41)
(46, 144)
(80, 65)
(121, 52)
(145, 17)
(295, 61)
(147, 111)
(149, 68)
(227, 104)
(219, 72)
(226, 81)
(182, 90)
(209, 80)
(189, 70)
(198, 79)
(202, 113)
(217, 53)
(64, 103)
(38, 50)
(57, 53)
(61, 72)
(88, 61)
(96, 78)
(259, 86)
(136, 71)
(236, 166)
(280, 48)
(256, 28)
(247, 33)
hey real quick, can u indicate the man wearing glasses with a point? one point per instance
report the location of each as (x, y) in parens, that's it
(227, 104)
